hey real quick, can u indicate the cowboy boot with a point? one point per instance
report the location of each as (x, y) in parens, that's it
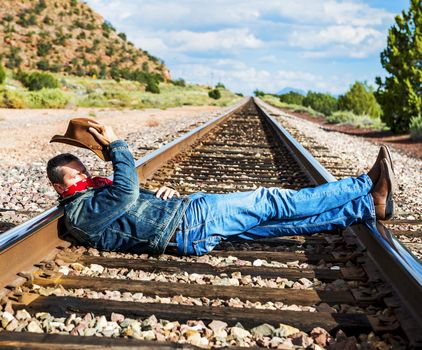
(374, 172)
(382, 192)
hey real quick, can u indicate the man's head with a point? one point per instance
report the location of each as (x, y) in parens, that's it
(65, 170)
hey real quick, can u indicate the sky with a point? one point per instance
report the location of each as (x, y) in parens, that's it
(319, 45)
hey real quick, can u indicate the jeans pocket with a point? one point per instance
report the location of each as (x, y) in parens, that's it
(204, 246)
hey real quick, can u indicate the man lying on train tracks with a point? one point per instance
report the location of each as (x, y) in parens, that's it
(119, 216)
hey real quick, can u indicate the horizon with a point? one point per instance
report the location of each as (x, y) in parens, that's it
(267, 46)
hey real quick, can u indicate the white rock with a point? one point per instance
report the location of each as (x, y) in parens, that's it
(64, 269)
(34, 327)
(96, 268)
(257, 262)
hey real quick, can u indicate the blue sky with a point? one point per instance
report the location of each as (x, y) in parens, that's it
(321, 45)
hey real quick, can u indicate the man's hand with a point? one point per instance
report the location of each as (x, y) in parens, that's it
(166, 192)
(104, 133)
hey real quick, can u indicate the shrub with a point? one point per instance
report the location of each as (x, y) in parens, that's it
(179, 82)
(55, 68)
(43, 64)
(14, 59)
(259, 93)
(220, 86)
(43, 48)
(93, 100)
(215, 94)
(37, 80)
(292, 97)
(341, 117)
(318, 101)
(303, 109)
(152, 87)
(11, 99)
(359, 121)
(26, 19)
(47, 20)
(47, 98)
(40, 6)
(2, 74)
(81, 35)
(108, 27)
(416, 128)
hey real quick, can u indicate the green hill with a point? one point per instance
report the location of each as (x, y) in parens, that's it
(68, 36)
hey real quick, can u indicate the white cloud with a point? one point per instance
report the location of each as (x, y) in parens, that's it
(225, 39)
(318, 12)
(242, 78)
(334, 41)
(151, 43)
(231, 12)
(346, 35)
(282, 36)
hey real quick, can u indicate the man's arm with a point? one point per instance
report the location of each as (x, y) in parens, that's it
(107, 204)
(105, 135)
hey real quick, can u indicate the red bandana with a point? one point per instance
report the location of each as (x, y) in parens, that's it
(90, 182)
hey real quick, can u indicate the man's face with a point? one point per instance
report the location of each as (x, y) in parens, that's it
(73, 172)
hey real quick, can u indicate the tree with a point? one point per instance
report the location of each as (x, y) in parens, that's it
(320, 102)
(400, 94)
(292, 97)
(215, 94)
(152, 87)
(360, 100)
(179, 82)
(37, 80)
(259, 93)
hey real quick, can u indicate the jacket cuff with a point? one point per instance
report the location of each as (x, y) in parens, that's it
(118, 144)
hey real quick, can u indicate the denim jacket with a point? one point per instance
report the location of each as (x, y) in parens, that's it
(122, 216)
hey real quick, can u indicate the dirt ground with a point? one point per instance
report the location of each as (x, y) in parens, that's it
(25, 133)
(402, 142)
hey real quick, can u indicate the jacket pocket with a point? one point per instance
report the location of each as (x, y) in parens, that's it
(204, 246)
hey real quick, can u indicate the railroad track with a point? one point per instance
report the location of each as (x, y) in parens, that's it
(407, 231)
(352, 284)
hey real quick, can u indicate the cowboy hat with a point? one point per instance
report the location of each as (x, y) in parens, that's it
(77, 134)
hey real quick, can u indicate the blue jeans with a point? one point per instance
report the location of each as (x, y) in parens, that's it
(273, 212)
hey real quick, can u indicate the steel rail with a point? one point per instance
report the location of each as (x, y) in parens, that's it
(396, 263)
(28, 243)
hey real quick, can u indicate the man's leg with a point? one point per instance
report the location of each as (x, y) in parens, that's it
(291, 204)
(212, 217)
(358, 210)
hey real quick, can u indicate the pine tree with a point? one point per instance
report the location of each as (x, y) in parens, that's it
(360, 100)
(400, 94)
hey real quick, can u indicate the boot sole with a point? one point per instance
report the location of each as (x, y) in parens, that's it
(389, 209)
(390, 160)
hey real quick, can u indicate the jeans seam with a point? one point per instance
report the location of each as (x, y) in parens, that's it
(128, 235)
(320, 223)
(188, 228)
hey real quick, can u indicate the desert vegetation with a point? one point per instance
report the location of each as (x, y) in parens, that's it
(358, 106)
(68, 36)
(35, 89)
